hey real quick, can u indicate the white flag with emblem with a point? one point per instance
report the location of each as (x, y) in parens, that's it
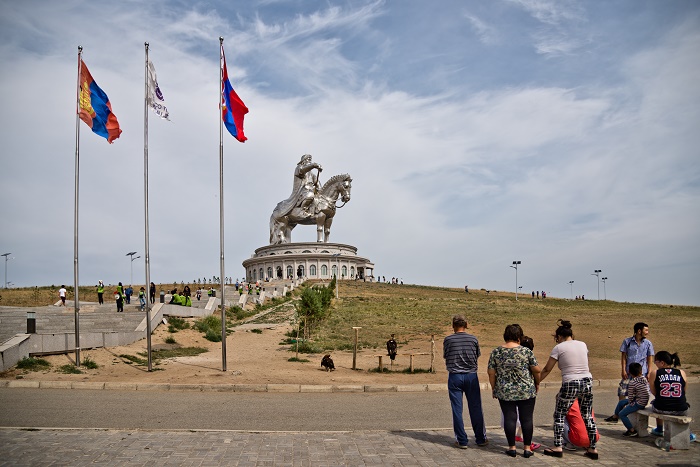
(155, 97)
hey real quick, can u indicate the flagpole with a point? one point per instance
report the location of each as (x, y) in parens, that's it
(145, 210)
(75, 213)
(221, 205)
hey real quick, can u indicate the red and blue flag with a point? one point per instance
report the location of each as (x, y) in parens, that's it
(94, 107)
(232, 107)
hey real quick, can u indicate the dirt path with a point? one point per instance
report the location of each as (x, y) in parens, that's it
(258, 358)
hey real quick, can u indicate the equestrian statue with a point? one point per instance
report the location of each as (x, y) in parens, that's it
(309, 203)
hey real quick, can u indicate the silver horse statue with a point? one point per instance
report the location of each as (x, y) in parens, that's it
(309, 204)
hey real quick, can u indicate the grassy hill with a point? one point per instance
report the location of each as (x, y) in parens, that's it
(414, 313)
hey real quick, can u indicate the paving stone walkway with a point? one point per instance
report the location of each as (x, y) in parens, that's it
(79, 447)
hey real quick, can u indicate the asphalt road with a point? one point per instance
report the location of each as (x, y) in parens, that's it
(175, 410)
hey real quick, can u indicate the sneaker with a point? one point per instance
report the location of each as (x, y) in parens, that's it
(535, 446)
(693, 437)
(518, 439)
(657, 431)
(484, 443)
(611, 419)
(460, 446)
(630, 433)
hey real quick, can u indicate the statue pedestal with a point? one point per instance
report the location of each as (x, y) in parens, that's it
(310, 260)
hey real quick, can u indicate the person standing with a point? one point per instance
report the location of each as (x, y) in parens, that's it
(515, 378)
(100, 292)
(461, 352)
(635, 349)
(120, 301)
(142, 299)
(152, 292)
(62, 295)
(576, 384)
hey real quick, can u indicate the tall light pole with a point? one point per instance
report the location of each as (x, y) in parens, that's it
(597, 274)
(515, 266)
(605, 292)
(6, 258)
(571, 283)
(132, 253)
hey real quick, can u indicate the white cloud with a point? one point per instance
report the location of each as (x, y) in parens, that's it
(475, 159)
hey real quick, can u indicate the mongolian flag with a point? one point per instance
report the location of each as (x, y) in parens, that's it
(232, 107)
(94, 107)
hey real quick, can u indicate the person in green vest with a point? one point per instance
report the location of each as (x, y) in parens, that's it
(119, 295)
(142, 298)
(177, 299)
(187, 300)
(100, 292)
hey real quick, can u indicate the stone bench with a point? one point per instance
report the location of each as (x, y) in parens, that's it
(676, 427)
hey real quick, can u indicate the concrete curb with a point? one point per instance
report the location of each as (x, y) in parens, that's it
(270, 388)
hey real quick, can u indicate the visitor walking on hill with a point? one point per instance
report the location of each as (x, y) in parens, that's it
(142, 299)
(128, 293)
(515, 378)
(461, 352)
(635, 349)
(577, 384)
(62, 295)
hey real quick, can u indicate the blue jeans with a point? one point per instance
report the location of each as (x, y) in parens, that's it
(623, 410)
(467, 384)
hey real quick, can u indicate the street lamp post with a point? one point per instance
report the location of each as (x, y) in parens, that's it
(515, 266)
(132, 253)
(571, 283)
(605, 291)
(6, 258)
(597, 274)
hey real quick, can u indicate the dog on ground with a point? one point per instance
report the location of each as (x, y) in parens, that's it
(327, 363)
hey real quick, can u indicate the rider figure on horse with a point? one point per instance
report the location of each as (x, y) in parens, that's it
(305, 183)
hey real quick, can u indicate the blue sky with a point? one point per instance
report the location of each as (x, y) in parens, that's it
(563, 134)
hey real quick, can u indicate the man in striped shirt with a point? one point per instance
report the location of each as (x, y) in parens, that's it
(461, 352)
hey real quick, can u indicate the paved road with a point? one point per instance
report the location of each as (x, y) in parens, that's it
(88, 427)
(175, 410)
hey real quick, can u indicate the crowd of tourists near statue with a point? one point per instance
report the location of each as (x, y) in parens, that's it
(515, 376)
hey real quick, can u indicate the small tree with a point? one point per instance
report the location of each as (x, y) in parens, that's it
(309, 309)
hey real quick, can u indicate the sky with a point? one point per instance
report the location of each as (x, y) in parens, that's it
(560, 133)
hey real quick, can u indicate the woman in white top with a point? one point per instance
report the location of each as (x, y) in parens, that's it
(576, 384)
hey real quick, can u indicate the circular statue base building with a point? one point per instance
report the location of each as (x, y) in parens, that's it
(309, 260)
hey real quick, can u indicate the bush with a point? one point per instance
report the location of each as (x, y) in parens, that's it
(69, 369)
(213, 335)
(170, 340)
(306, 347)
(176, 323)
(300, 360)
(33, 364)
(90, 363)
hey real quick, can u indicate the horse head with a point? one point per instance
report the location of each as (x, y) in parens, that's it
(338, 186)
